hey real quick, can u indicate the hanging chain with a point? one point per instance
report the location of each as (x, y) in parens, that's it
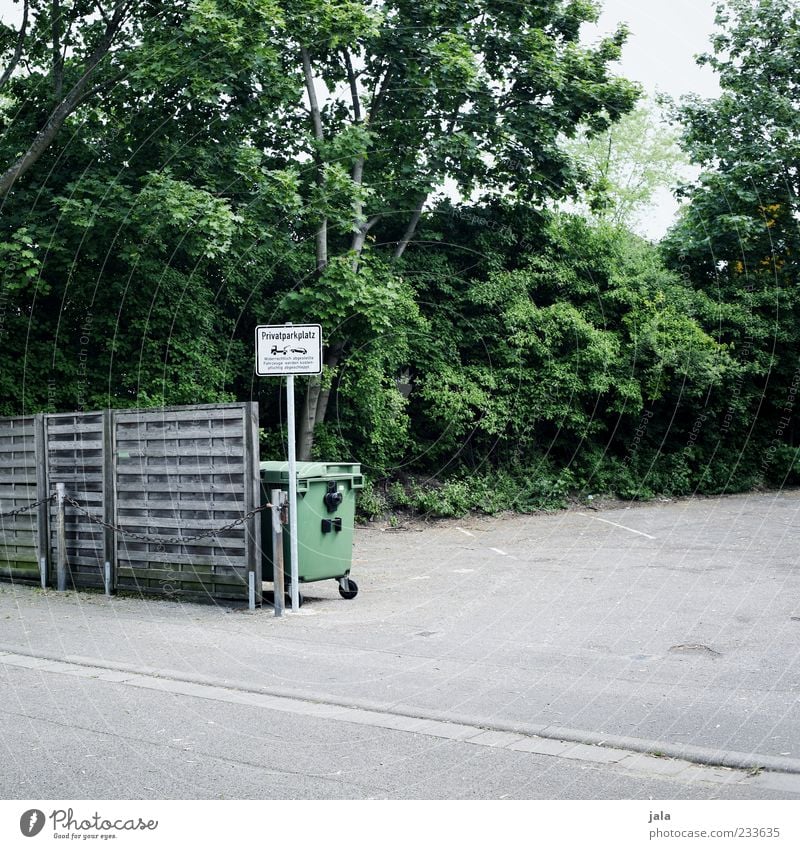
(27, 507)
(171, 539)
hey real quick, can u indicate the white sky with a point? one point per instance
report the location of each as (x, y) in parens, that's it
(665, 37)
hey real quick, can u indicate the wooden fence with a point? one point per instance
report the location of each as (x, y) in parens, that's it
(20, 450)
(77, 456)
(169, 474)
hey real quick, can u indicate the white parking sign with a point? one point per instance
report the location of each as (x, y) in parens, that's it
(288, 349)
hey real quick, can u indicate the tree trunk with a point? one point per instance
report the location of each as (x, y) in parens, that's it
(44, 138)
(360, 238)
(315, 405)
(331, 361)
(411, 229)
(308, 418)
(321, 235)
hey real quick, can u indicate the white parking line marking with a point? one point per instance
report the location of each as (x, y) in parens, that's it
(499, 551)
(466, 533)
(616, 525)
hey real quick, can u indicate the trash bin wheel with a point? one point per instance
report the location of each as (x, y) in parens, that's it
(287, 600)
(348, 588)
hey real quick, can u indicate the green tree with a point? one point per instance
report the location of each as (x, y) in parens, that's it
(737, 239)
(67, 49)
(134, 243)
(550, 340)
(399, 97)
(627, 164)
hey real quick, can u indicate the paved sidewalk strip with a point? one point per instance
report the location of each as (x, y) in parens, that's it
(473, 734)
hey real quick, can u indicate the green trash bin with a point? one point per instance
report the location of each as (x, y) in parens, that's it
(326, 508)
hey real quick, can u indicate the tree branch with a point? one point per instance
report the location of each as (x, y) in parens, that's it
(353, 83)
(378, 95)
(101, 86)
(334, 354)
(45, 137)
(18, 48)
(316, 118)
(58, 57)
(417, 214)
(357, 174)
(360, 237)
(358, 166)
(321, 236)
(411, 229)
(100, 11)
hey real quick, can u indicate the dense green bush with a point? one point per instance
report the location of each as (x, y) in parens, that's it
(497, 356)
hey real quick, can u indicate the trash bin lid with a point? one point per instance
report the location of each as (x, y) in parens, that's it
(277, 471)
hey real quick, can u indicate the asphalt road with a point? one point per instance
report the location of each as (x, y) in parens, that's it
(72, 737)
(674, 624)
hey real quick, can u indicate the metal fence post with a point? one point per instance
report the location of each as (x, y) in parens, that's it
(43, 542)
(277, 551)
(252, 500)
(109, 499)
(61, 554)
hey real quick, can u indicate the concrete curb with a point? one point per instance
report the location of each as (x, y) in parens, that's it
(686, 752)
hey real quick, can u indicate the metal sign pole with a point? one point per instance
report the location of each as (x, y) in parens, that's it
(288, 350)
(61, 537)
(290, 441)
(276, 497)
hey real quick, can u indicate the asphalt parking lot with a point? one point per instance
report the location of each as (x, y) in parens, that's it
(667, 632)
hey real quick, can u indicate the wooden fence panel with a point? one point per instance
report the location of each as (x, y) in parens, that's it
(76, 458)
(178, 472)
(164, 473)
(19, 545)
